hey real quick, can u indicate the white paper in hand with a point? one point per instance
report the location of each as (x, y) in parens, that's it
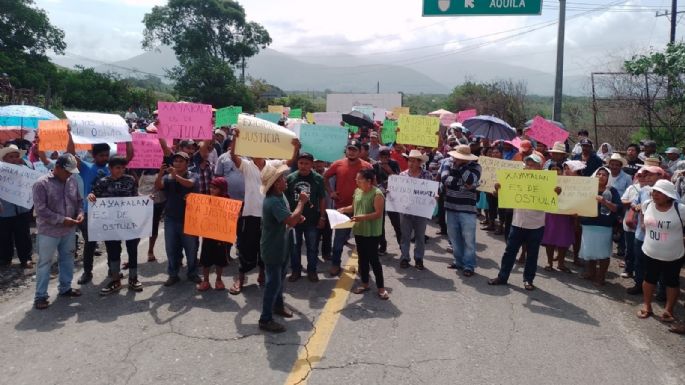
(338, 220)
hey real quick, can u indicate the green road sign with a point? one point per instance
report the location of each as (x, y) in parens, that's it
(481, 7)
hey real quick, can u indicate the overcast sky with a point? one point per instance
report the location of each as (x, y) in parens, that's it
(111, 30)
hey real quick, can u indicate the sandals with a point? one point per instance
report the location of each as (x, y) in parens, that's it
(642, 313)
(151, 258)
(667, 317)
(203, 286)
(236, 289)
(360, 289)
(383, 295)
(219, 285)
(112, 287)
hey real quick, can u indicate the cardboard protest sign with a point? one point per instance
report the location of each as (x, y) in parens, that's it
(94, 127)
(295, 113)
(324, 142)
(546, 132)
(227, 116)
(578, 195)
(147, 153)
(466, 114)
(212, 217)
(328, 118)
(528, 189)
(489, 167)
(389, 131)
(16, 184)
(399, 111)
(411, 196)
(418, 130)
(447, 119)
(275, 110)
(114, 219)
(269, 117)
(185, 121)
(262, 139)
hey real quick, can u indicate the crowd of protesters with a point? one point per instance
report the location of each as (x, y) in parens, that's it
(640, 214)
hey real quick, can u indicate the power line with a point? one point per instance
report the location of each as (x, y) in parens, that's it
(112, 65)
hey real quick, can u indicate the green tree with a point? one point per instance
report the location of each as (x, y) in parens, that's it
(503, 99)
(24, 29)
(663, 103)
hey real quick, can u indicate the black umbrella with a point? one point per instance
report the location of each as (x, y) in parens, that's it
(358, 119)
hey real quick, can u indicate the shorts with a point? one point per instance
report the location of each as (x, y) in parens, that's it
(213, 253)
(668, 270)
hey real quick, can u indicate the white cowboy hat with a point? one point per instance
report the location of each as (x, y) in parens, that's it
(558, 148)
(618, 157)
(462, 152)
(418, 155)
(10, 149)
(270, 175)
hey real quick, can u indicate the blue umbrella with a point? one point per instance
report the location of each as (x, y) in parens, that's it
(490, 127)
(15, 119)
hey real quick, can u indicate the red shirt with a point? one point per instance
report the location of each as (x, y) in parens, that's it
(400, 159)
(345, 179)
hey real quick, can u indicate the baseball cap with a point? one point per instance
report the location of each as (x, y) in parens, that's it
(585, 142)
(67, 162)
(649, 143)
(354, 143)
(306, 155)
(373, 134)
(534, 158)
(186, 143)
(672, 150)
(182, 155)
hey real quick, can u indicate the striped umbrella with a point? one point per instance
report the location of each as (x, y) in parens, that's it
(17, 119)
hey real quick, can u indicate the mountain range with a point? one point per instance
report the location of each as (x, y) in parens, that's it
(354, 73)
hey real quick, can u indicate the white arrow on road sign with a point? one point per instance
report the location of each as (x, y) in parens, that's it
(469, 4)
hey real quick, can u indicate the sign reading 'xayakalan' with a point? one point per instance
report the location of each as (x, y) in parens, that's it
(481, 7)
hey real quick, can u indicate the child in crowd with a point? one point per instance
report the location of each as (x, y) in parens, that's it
(213, 252)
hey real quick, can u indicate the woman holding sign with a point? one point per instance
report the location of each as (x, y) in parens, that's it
(596, 242)
(367, 208)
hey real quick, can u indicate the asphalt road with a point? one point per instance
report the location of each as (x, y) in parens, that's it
(437, 328)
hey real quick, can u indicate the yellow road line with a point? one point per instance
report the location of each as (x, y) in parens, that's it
(312, 352)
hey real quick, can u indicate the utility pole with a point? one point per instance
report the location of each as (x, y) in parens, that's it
(559, 81)
(378, 87)
(673, 14)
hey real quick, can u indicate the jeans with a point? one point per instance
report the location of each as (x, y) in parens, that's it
(395, 222)
(310, 234)
(492, 208)
(326, 238)
(47, 246)
(518, 237)
(638, 259)
(340, 237)
(88, 247)
(506, 216)
(630, 251)
(417, 225)
(248, 245)
(176, 242)
(367, 249)
(441, 213)
(114, 257)
(461, 230)
(273, 290)
(15, 232)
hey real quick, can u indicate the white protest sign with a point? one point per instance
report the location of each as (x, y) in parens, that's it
(489, 167)
(94, 127)
(338, 220)
(16, 184)
(328, 118)
(414, 196)
(119, 219)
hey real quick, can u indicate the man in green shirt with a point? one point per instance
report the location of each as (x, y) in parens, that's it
(276, 242)
(304, 180)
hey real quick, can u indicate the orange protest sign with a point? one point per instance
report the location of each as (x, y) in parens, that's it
(53, 136)
(212, 217)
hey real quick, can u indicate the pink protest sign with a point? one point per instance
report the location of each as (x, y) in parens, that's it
(447, 119)
(466, 114)
(546, 132)
(185, 120)
(147, 153)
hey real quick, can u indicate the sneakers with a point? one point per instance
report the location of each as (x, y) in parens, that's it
(85, 278)
(313, 276)
(135, 285)
(271, 326)
(419, 264)
(171, 281)
(404, 264)
(294, 276)
(111, 288)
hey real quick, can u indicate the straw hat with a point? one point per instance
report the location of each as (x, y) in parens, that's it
(416, 154)
(270, 175)
(10, 149)
(462, 152)
(666, 187)
(653, 162)
(558, 148)
(618, 157)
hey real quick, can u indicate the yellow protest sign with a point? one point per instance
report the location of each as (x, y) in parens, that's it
(418, 130)
(276, 109)
(310, 118)
(578, 195)
(212, 217)
(262, 139)
(399, 111)
(489, 167)
(528, 189)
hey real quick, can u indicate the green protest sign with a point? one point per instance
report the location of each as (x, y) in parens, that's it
(351, 128)
(227, 116)
(295, 113)
(389, 132)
